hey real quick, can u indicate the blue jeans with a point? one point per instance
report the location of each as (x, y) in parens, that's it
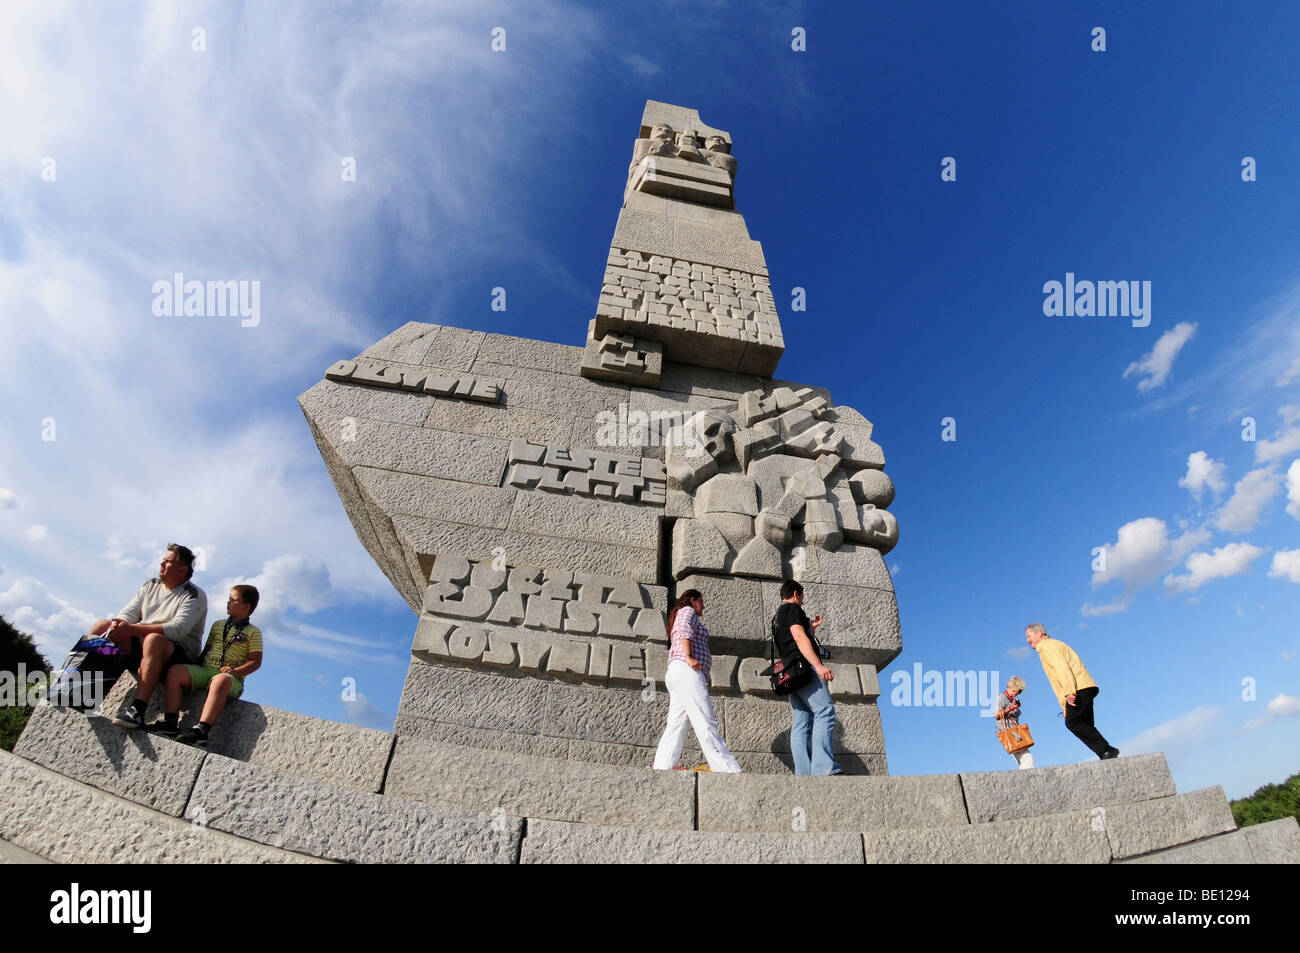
(813, 714)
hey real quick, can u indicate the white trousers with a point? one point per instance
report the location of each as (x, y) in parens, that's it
(688, 701)
(1024, 758)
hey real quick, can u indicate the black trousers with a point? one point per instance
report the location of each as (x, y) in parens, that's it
(1078, 718)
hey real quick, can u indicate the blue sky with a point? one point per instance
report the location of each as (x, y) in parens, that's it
(478, 169)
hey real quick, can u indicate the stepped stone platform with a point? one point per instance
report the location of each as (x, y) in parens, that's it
(154, 800)
(540, 506)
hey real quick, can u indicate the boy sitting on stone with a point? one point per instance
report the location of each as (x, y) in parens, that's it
(233, 652)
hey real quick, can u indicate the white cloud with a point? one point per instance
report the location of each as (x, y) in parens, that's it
(641, 65)
(1286, 565)
(362, 711)
(291, 581)
(1158, 364)
(1230, 560)
(1020, 652)
(37, 532)
(1202, 472)
(1177, 735)
(1249, 497)
(1287, 439)
(1281, 706)
(1291, 374)
(1293, 489)
(53, 623)
(8, 499)
(1141, 553)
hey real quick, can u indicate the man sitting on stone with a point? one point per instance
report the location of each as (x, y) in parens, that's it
(234, 651)
(159, 628)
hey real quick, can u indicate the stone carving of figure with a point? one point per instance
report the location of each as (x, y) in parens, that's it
(688, 146)
(660, 143)
(716, 154)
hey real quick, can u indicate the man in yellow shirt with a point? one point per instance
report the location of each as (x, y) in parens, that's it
(1074, 688)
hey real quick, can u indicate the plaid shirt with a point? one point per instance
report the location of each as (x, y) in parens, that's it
(687, 625)
(1008, 712)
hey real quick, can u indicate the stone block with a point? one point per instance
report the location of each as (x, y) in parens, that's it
(420, 450)
(559, 395)
(433, 498)
(321, 820)
(1145, 826)
(1275, 842)
(474, 699)
(728, 493)
(345, 403)
(611, 715)
(525, 352)
(1063, 838)
(861, 625)
(758, 803)
(1003, 795)
(759, 558)
(136, 765)
(762, 723)
(625, 359)
(586, 518)
(705, 381)
(454, 348)
(74, 823)
(698, 546)
(541, 788)
(421, 728)
(1224, 849)
(554, 842)
(733, 610)
(425, 538)
(499, 420)
(409, 344)
(850, 565)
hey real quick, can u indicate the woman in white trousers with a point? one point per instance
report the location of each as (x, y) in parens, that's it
(687, 680)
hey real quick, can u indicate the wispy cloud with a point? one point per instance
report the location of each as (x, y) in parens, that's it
(1155, 367)
(1281, 706)
(1178, 735)
(1203, 472)
(1250, 496)
(1141, 554)
(1287, 438)
(1230, 560)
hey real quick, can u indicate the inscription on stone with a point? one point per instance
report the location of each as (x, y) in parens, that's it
(421, 381)
(586, 473)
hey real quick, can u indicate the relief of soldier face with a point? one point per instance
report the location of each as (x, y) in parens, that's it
(715, 144)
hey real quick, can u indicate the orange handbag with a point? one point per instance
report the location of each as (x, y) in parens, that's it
(1016, 738)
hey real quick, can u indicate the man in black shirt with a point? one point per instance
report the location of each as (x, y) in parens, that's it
(811, 708)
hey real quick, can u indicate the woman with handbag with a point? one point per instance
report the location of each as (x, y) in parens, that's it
(1007, 722)
(687, 680)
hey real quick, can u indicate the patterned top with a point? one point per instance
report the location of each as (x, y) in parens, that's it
(1008, 712)
(237, 639)
(687, 625)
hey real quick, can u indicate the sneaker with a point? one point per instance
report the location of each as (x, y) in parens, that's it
(702, 767)
(1110, 753)
(162, 728)
(129, 718)
(192, 736)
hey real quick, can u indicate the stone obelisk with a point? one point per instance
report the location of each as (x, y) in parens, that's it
(539, 505)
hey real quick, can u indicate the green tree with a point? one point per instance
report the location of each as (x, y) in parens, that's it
(1269, 803)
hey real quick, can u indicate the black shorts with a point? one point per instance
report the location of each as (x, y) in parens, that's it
(180, 656)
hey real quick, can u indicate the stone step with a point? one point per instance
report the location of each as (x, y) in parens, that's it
(750, 802)
(1277, 842)
(1097, 835)
(13, 854)
(68, 822)
(555, 842)
(543, 788)
(338, 823)
(330, 751)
